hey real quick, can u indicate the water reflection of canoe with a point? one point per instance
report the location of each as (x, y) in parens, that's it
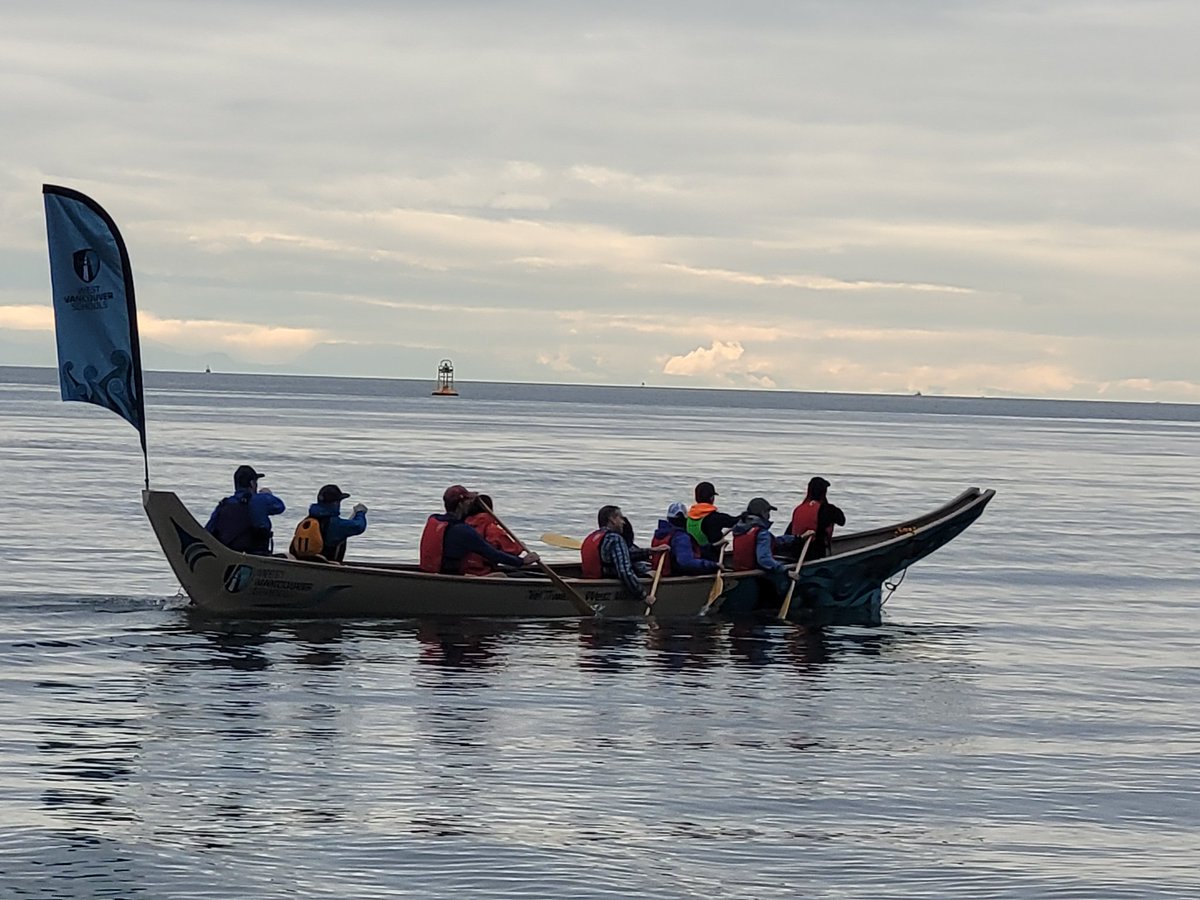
(224, 582)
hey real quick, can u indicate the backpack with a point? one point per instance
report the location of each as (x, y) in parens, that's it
(308, 542)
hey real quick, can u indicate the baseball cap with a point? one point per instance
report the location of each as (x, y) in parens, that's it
(759, 507)
(331, 493)
(705, 491)
(246, 474)
(676, 509)
(456, 494)
(817, 482)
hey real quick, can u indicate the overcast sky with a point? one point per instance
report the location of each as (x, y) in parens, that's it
(997, 198)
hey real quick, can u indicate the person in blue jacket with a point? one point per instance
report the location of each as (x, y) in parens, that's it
(686, 558)
(334, 529)
(754, 545)
(242, 521)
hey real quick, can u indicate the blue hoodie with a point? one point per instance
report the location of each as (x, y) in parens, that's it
(684, 559)
(335, 529)
(242, 521)
(763, 543)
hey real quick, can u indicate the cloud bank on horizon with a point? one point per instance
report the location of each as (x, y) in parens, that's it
(987, 198)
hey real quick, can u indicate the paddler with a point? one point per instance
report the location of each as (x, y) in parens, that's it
(242, 521)
(448, 540)
(705, 523)
(815, 513)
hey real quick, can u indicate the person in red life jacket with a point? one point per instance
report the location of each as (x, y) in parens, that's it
(754, 546)
(815, 513)
(605, 553)
(482, 520)
(705, 523)
(242, 521)
(685, 557)
(334, 529)
(447, 539)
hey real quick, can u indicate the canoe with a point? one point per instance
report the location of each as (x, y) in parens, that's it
(846, 585)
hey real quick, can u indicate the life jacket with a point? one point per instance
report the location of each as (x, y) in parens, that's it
(805, 518)
(432, 543)
(695, 522)
(745, 549)
(664, 541)
(309, 540)
(489, 529)
(234, 529)
(589, 552)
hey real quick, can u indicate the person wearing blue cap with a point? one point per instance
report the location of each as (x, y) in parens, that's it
(684, 557)
(242, 521)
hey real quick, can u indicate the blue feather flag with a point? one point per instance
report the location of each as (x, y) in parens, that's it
(95, 319)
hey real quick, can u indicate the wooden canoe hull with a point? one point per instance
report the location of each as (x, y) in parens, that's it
(226, 583)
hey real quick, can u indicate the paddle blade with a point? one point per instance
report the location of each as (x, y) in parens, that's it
(717, 587)
(787, 601)
(561, 540)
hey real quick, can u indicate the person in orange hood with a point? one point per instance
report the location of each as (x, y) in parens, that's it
(705, 523)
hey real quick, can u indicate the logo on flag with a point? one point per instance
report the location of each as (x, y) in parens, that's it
(87, 264)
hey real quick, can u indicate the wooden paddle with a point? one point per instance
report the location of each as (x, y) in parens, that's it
(662, 558)
(561, 540)
(585, 608)
(718, 585)
(787, 601)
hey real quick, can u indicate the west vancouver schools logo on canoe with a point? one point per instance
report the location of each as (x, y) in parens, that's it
(237, 577)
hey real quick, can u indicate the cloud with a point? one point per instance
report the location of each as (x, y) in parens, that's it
(243, 340)
(615, 191)
(255, 343)
(810, 282)
(723, 362)
(27, 318)
(557, 362)
(1149, 389)
(713, 360)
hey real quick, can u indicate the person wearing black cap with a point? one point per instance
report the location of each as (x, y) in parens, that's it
(242, 521)
(705, 523)
(754, 545)
(327, 514)
(448, 539)
(816, 514)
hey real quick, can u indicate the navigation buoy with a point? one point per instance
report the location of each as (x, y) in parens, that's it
(445, 381)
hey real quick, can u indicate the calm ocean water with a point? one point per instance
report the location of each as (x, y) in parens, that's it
(1023, 724)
